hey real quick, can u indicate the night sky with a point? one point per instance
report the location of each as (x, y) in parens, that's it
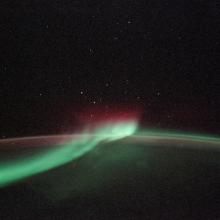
(62, 59)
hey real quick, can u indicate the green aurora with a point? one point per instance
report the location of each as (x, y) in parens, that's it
(62, 154)
(16, 170)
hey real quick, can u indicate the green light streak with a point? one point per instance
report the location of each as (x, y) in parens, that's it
(17, 170)
(178, 135)
(63, 153)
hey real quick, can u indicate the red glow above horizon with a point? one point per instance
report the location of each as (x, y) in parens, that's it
(99, 115)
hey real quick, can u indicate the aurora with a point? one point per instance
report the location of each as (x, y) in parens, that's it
(77, 145)
(62, 154)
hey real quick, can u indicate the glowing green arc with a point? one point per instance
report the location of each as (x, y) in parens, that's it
(17, 170)
(64, 153)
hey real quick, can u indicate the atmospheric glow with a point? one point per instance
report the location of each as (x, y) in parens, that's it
(78, 145)
(177, 135)
(65, 153)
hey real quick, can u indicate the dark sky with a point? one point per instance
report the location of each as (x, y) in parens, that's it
(59, 58)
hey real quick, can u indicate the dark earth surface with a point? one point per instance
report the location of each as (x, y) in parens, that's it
(123, 180)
